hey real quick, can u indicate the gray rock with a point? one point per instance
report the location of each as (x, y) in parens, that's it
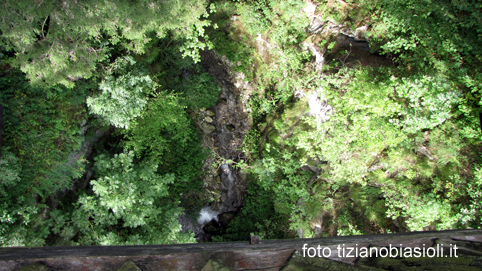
(225, 218)
(208, 119)
(215, 206)
(243, 176)
(207, 128)
(254, 240)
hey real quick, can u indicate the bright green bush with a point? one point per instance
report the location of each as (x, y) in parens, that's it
(134, 201)
(124, 94)
(165, 134)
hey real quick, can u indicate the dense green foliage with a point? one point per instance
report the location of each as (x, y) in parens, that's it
(399, 150)
(165, 135)
(258, 217)
(41, 131)
(196, 88)
(41, 123)
(129, 206)
(124, 93)
(58, 41)
(148, 158)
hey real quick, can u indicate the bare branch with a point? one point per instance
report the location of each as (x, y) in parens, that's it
(42, 31)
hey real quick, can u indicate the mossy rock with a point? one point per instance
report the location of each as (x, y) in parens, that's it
(292, 113)
(207, 128)
(216, 195)
(215, 265)
(300, 263)
(425, 263)
(34, 267)
(129, 266)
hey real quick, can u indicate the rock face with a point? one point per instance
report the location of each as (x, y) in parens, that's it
(223, 127)
(225, 124)
(232, 124)
(232, 198)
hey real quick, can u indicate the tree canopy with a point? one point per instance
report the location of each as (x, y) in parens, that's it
(58, 42)
(363, 117)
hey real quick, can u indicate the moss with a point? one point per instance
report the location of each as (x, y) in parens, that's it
(129, 266)
(331, 45)
(215, 265)
(274, 137)
(270, 117)
(292, 113)
(34, 267)
(262, 126)
(298, 262)
(425, 263)
(302, 154)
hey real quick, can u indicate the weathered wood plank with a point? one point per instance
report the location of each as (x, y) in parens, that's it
(12, 253)
(267, 255)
